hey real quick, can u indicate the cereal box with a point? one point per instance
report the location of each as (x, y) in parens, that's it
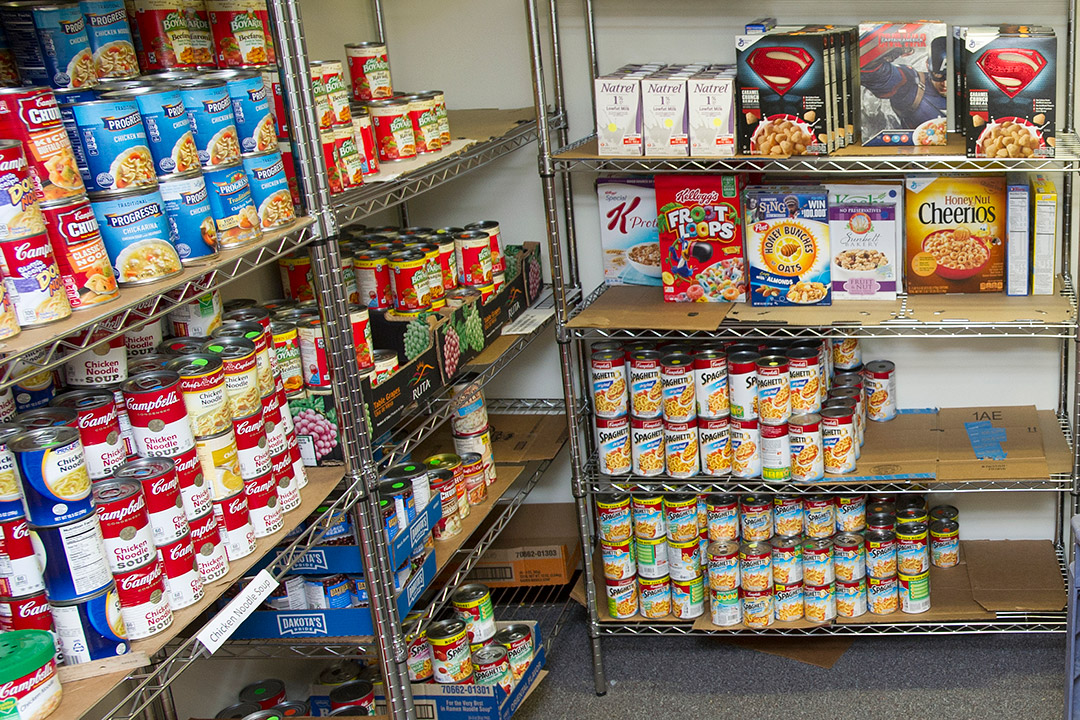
(863, 235)
(628, 231)
(701, 253)
(1018, 235)
(1011, 91)
(1044, 234)
(785, 94)
(787, 245)
(955, 229)
(904, 76)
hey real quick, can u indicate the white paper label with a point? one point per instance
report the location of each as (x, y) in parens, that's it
(528, 321)
(217, 631)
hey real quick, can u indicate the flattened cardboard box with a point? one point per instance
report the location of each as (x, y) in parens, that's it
(990, 442)
(1008, 575)
(538, 547)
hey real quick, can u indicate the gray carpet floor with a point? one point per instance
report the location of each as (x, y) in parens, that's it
(1020, 677)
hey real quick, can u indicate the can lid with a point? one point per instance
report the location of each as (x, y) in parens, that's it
(22, 652)
(351, 691)
(237, 711)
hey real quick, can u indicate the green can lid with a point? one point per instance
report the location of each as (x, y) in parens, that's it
(23, 652)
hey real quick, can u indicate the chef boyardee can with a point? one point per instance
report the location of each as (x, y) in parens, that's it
(232, 205)
(137, 236)
(114, 146)
(187, 207)
(56, 485)
(91, 628)
(472, 603)
(75, 563)
(270, 189)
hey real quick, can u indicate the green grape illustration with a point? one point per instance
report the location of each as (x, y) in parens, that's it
(417, 338)
(473, 332)
(513, 266)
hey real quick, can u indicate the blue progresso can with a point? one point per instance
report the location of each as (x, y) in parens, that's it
(137, 236)
(51, 45)
(167, 125)
(270, 189)
(190, 218)
(251, 108)
(114, 146)
(234, 209)
(212, 121)
(110, 39)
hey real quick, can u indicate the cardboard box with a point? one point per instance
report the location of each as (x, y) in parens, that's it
(700, 227)
(711, 112)
(618, 115)
(865, 224)
(898, 65)
(955, 233)
(539, 546)
(628, 231)
(1018, 235)
(787, 244)
(1044, 202)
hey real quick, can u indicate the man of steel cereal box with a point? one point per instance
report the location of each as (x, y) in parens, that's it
(785, 91)
(904, 75)
(701, 253)
(955, 228)
(1010, 91)
(787, 245)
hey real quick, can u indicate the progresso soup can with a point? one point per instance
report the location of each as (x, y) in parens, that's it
(110, 38)
(212, 121)
(167, 126)
(50, 43)
(137, 237)
(187, 207)
(114, 146)
(251, 109)
(270, 189)
(233, 207)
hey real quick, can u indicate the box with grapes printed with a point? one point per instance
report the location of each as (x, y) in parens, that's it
(316, 420)
(418, 376)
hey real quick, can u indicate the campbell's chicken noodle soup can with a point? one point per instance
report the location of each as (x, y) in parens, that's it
(144, 601)
(32, 280)
(755, 518)
(19, 212)
(654, 595)
(103, 364)
(722, 519)
(681, 448)
(277, 440)
(648, 516)
(288, 490)
(210, 554)
(609, 384)
(711, 382)
(723, 565)
(804, 381)
(20, 571)
(182, 577)
(775, 452)
(646, 393)
(677, 382)
(850, 513)
(161, 488)
(755, 566)
(646, 445)
(788, 515)
(264, 510)
(849, 556)
(742, 384)
(29, 612)
(880, 381)
(807, 454)
(846, 354)
(369, 70)
(714, 440)
(196, 492)
(372, 269)
(787, 559)
(945, 543)
(143, 341)
(202, 386)
(252, 451)
(745, 448)
(32, 116)
(773, 389)
(158, 416)
(881, 554)
(99, 429)
(882, 597)
(838, 439)
(234, 524)
(613, 518)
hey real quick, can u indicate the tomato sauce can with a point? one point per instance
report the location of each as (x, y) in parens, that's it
(723, 565)
(263, 508)
(881, 554)
(234, 524)
(182, 577)
(369, 71)
(210, 553)
(745, 448)
(20, 570)
(711, 383)
(91, 628)
(849, 556)
(756, 518)
(158, 415)
(803, 379)
(76, 565)
(613, 518)
(648, 516)
(144, 601)
(55, 483)
(32, 280)
(372, 268)
(838, 440)
(451, 656)
(742, 384)
(125, 524)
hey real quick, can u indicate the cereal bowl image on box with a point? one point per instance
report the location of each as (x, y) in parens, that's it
(787, 244)
(628, 231)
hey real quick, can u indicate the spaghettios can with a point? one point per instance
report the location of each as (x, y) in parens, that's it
(55, 482)
(613, 517)
(850, 513)
(32, 281)
(125, 524)
(648, 515)
(846, 354)
(755, 518)
(369, 71)
(651, 557)
(137, 236)
(393, 129)
(609, 384)
(688, 598)
(21, 573)
(755, 566)
(723, 565)
(684, 559)
(807, 454)
(32, 116)
(787, 559)
(472, 603)
(158, 415)
(838, 439)
(269, 189)
(646, 445)
(745, 448)
(725, 607)
(818, 561)
(820, 602)
(880, 379)
(849, 556)
(880, 554)
(711, 382)
(820, 516)
(788, 515)
(213, 123)
(622, 597)
(51, 45)
(912, 548)
(850, 597)
(655, 596)
(773, 389)
(491, 666)
(722, 517)
(803, 378)
(914, 591)
(91, 628)
(882, 595)
(680, 517)
(75, 563)
(788, 601)
(114, 146)
(451, 656)
(677, 382)
(742, 384)
(210, 555)
(775, 452)
(945, 543)
(681, 448)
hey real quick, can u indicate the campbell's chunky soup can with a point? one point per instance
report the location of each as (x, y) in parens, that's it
(32, 116)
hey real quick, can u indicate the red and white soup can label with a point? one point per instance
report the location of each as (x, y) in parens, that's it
(210, 556)
(144, 601)
(182, 576)
(234, 524)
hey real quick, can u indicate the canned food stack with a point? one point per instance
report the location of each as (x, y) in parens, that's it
(404, 493)
(769, 410)
(264, 700)
(469, 425)
(343, 152)
(771, 558)
(468, 648)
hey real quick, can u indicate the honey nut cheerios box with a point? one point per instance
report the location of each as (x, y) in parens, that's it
(955, 230)
(787, 245)
(701, 250)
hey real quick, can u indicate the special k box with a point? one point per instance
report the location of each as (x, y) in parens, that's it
(628, 230)
(955, 234)
(701, 252)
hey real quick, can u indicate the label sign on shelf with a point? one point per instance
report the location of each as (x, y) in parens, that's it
(217, 631)
(528, 321)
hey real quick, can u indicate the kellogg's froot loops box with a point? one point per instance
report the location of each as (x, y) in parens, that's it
(787, 244)
(701, 255)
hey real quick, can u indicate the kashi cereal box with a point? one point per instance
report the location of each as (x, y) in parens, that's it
(955, 228)
(701, 252)
(867, 252)
(628, 230)
(787, 245)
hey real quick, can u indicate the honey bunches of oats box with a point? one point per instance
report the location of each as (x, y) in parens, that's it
(787, 246)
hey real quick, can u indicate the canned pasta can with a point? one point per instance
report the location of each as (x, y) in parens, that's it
(882, 595)
(788, 515)
(850, 513)
(715, 441)
(393, 129)
(722, 563)
(165, 36)
(807, 456)
(680, 517)
(879, 378)
(711, 383)
(849, 556)
(618, 559)
(677, 382)
(652, 557)
(773, 389)
(472, 250)
(609, 384)
(745, 448)
(681, 448)
(880, 554)
(757, 607)
(622, 597)
(491, 666)
(684, 559)
(838, 440)
(853, 394)
(846, 354)
(804, 379)
(725, 607)
(787, 559)
(613, 445)
(945, 543)
(775, 452)
(364, 137)
(32, 281)
(655, 596)
(755, 518)
(722, 517)
(788, 601)
(819, 602)
(914, 591)
(818, 561)
(742, 384)
(755, 566)
(55, 482)
(648, 513)
(944, 512)
(137, 236)
(688, 598)
(850, 597)
(646, 393)
(880, 521)
(820, 514)
(613, 517)
(270, 190)
(911, 514)
(369, 70)
(912, 548)
(425, 123)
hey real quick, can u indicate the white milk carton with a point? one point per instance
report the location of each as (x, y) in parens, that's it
(663, 105)
(711, 114)
(618, 115)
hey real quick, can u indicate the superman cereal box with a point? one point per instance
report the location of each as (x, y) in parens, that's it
(955, 228)
(904, 75)
(701, 253)
(787, 245)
